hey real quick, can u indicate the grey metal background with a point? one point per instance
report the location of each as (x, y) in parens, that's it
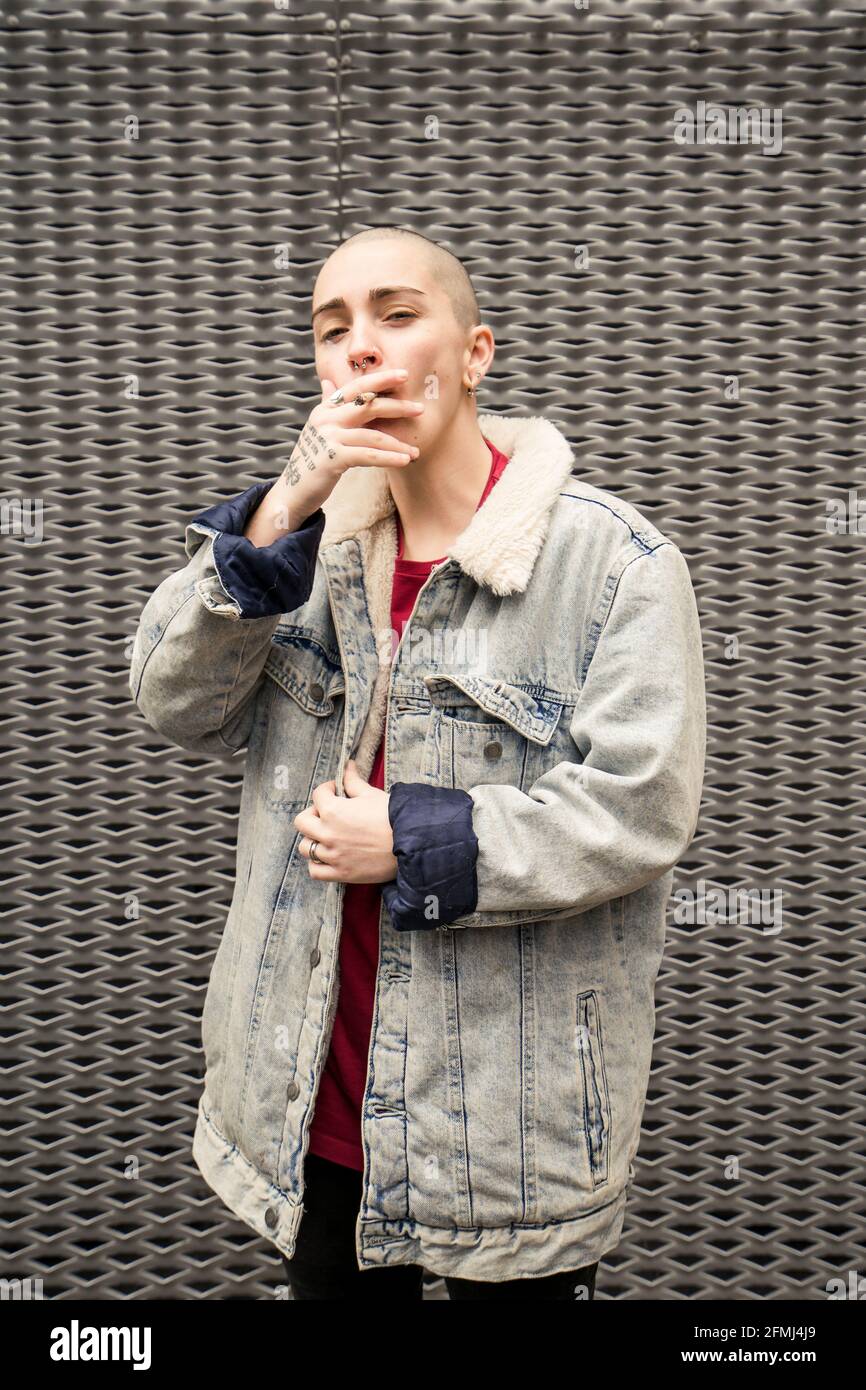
(153, 260)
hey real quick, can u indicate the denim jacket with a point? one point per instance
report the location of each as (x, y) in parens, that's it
(545, 724)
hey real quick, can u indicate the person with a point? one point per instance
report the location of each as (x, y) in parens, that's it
(468, 780)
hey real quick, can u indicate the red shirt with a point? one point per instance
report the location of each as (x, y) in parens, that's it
(335, 1130)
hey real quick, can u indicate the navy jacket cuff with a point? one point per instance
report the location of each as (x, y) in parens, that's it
(263, 580)
(436, 850)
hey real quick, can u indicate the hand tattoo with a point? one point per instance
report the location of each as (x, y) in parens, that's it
(310, 447)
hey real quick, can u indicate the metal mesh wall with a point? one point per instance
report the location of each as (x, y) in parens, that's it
(689, 314)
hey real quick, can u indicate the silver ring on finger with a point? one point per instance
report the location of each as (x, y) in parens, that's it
(338, 397)
(315, 858)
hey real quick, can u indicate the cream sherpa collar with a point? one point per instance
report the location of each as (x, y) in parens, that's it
(501, 543)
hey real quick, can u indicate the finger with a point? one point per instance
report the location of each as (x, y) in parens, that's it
(363, 456)
(387, 452)
(359, 419)
(324, 873)
(373, 439)
(352, 780)
(308, 822)
(382, 379)
(323, 795)
(321, 850)
(388, 405)
(366, 391)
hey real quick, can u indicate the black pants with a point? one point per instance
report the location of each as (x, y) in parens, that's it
(325, 1264)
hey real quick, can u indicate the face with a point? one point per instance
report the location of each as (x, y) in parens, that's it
(413, 328)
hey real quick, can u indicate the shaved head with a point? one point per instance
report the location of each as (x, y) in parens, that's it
(393, 298)
(445, 269)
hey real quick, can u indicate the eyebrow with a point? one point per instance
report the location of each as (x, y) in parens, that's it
(382, 292)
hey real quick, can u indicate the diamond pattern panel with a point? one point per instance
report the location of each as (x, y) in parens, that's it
(691, 314)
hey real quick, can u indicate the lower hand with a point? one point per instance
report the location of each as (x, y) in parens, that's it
(353, 833)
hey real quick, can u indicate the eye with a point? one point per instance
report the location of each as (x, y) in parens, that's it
(397, 314)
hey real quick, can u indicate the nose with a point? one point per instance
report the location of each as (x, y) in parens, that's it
(362, 357)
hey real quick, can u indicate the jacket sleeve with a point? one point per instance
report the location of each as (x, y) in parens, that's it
(586, 831)
(205, 633)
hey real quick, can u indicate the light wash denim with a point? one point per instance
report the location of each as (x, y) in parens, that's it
(510, 1050)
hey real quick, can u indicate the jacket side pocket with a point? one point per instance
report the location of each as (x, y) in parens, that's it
(596, 1099)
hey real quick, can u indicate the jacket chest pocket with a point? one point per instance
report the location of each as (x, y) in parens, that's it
(593, 1085)
(306, 670)
(487, 730)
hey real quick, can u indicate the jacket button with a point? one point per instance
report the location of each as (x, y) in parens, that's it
(315, 956)
(493, 750)
(316, 692)
(271, 1217)
(293, 1090)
